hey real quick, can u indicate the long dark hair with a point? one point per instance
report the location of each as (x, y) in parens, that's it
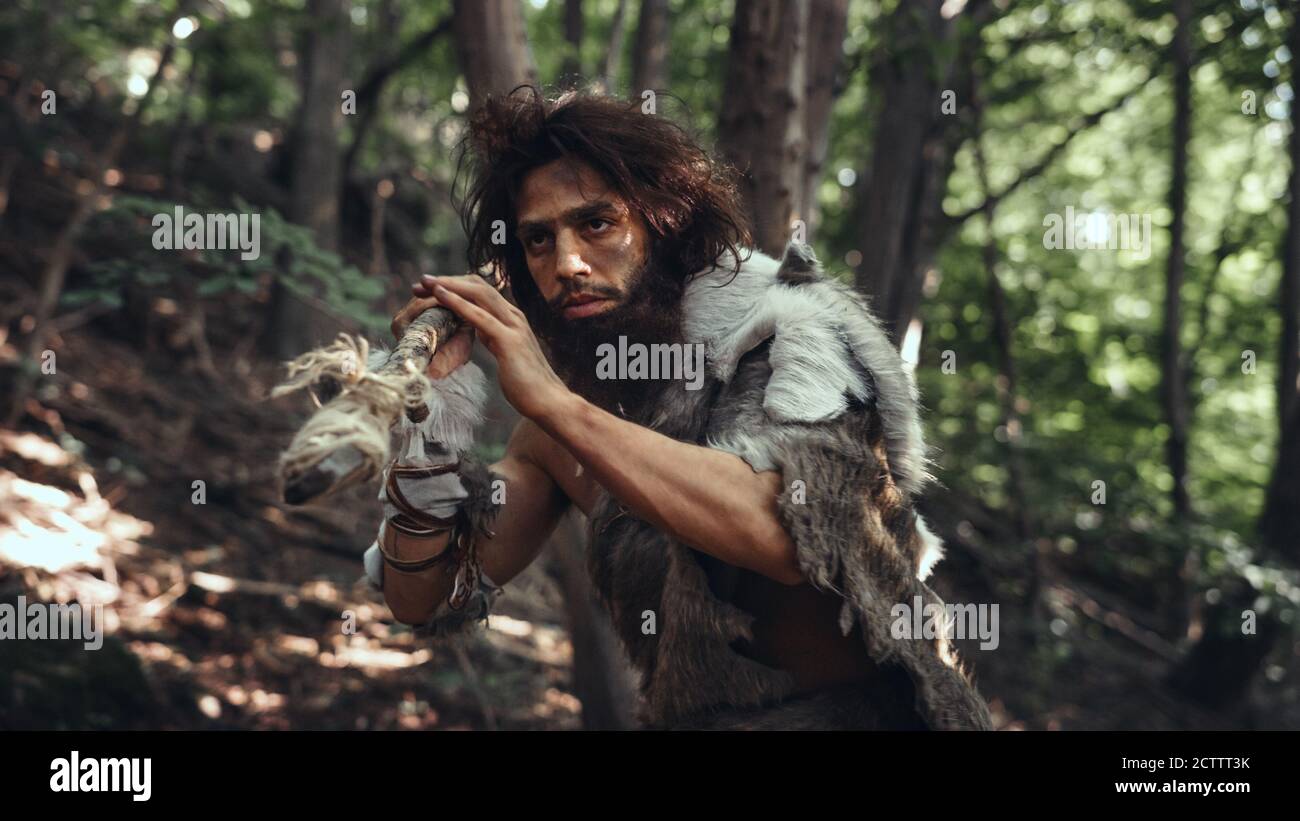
(688, 200)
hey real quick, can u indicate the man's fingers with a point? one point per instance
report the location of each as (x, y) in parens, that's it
(409, 312)
(483, 321)
(453, 353)
(474, 289)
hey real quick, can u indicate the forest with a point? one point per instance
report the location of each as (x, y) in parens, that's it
(1079, 221)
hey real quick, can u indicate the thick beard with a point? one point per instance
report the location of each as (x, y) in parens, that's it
(649, 311)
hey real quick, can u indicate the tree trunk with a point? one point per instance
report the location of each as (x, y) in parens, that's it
(1220, 665)
(314, 198)
(1218, 668)
(650, 53)
(761, 124)
(1007, 390)
(1280, 522)
(493, 47)
(317, 166)
(603, 679)
(1008, 394)
(609, 77)
(903, 160)
(827, 23)
(1174, 388)
(1289, 367)
(1181, 609)
(574, 25)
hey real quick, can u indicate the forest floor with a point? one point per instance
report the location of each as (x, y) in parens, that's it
(235, 611)
(239, 611)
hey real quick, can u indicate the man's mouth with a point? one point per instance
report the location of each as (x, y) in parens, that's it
(581, 305)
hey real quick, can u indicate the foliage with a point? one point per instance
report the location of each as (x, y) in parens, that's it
(289, 255)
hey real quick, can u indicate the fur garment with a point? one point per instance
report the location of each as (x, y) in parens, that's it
(802, 380)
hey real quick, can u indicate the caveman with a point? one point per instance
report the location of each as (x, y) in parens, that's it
(750, 531)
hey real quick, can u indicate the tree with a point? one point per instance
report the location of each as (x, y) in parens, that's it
(609, 74)
(574, 29)
(492, 46)
(761, 125)
(909, 163)
(825, 59)
(317, 165)
(1006, 382)
(1280, 522)
(377, 76)
(650, 52)
(1173, 364)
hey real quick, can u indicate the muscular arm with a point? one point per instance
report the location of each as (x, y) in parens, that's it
(708, 499)
(533, 505)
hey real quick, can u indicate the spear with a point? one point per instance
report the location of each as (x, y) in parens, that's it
(346, 441)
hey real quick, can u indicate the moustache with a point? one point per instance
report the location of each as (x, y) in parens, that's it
(596, 291)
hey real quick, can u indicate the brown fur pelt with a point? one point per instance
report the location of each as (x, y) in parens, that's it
(825, 402)
(837, 708)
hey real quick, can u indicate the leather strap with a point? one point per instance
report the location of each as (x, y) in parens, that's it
(467, 575)
(413, 523)
(411, 520)
(393, 540)
(423, 471)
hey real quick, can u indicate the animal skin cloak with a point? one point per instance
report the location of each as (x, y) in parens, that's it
(801, 380)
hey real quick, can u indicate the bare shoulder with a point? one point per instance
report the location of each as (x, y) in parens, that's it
(534, 446)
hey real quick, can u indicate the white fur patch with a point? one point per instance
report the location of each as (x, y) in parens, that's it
(824, 344)
(931, 550)
(455, 405)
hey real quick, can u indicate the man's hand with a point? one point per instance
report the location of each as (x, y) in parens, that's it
(527, 379)
(454, 352)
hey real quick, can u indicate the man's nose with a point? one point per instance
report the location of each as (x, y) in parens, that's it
(569, 263)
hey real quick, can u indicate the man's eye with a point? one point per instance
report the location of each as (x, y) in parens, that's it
(598, 224)
(535, 240)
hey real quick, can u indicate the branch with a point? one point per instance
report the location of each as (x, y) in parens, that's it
(380, 73)
(1048, 158)
(373, 84)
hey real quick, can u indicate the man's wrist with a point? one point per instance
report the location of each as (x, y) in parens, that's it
(562, 414)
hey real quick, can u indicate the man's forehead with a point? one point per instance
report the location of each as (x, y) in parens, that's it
(560, 186)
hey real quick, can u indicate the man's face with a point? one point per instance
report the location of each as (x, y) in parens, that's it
(584, 245)
(593, 261)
